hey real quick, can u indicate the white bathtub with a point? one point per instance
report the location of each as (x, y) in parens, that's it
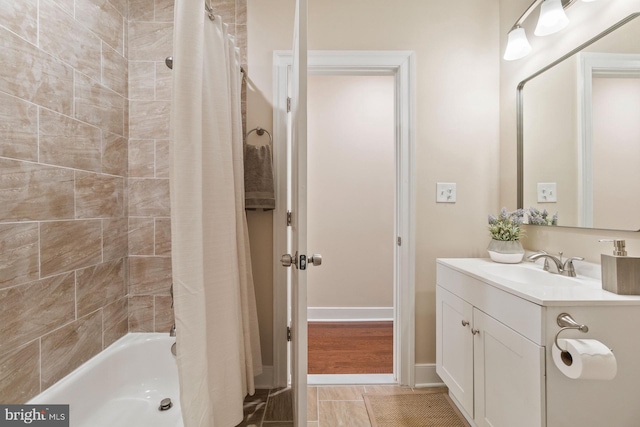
(122, 386)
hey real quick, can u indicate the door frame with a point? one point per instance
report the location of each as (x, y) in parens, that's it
(401, 65)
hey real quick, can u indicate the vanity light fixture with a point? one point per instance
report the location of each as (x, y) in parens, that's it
(551, 20)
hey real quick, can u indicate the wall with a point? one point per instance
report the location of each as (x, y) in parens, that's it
(587, 20)
(63, 167)
(350, 218)
(457, 86)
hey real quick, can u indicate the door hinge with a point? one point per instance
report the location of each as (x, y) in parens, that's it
(399, 241)
(289, 218)
(288, 104)
(288, 333)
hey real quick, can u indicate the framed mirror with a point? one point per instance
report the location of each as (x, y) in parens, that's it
(579, 133)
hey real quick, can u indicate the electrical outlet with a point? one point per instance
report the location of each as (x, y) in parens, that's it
(547, 192)
(446, 192)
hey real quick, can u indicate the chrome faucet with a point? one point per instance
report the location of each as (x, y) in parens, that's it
(557, 266)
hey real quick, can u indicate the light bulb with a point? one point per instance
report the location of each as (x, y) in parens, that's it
(517, 45)
(552, 18)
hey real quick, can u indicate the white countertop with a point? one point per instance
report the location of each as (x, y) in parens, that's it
(529, 281)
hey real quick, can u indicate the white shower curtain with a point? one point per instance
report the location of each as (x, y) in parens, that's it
(216, 319)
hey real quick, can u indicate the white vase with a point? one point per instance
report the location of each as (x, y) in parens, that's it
(506, 251)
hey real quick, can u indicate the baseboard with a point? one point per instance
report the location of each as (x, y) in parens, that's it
(265, 379)
(426, 376)
(349, 314)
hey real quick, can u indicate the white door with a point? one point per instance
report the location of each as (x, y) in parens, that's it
(296, 259)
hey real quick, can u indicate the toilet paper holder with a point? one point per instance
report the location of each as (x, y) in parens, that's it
(565, 321)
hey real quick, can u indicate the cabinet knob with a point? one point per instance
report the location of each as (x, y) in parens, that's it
(465, 323)
(475, 331)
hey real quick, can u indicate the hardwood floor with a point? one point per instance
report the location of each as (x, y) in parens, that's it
(350, 348)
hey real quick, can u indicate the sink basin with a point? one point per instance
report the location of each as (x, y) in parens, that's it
(527, 274)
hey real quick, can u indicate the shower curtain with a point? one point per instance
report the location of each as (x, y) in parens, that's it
(218, 347)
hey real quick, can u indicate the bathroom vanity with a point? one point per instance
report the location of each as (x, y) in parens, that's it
(496, 325)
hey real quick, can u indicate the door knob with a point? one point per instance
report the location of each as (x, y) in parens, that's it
(287, 260)
(316, 259)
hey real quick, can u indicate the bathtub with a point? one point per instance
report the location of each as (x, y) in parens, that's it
(122, 386)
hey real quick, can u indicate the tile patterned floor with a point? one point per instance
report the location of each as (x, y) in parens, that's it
(327, 406)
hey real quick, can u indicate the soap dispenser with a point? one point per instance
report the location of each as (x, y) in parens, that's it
(620, 273)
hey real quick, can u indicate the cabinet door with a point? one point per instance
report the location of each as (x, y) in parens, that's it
(454, 343)
(509, 376)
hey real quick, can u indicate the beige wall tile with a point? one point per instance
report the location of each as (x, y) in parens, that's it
(68, 142)
(150, 41)
(101, 17)
(20, 374)
(31, 310)
(81, 51)
(21, 17)
(164, 11)
(99, 286)
(98, 105)
(18, 128)
(141, 80)
(33, 192)
(66, 5)
(241, 43)
(149, 197)
(121, 6)
(163, 313)
(33, 75)
(18, 254)
(149, 119)
(99, 196)
(141, 313)
(141, 10)
(69, 347)
(162, 158)
(114, 70)
(163, 237)
(241, 12)
(149, 275)
(114, 238)
(116, 321)
(164, 82)
(68, 245)
(114, 154)
(226, 9)
(141, 158)
(141, 236)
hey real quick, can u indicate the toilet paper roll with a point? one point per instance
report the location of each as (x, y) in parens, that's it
(585, 359)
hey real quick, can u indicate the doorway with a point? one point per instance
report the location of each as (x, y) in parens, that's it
(351, 222)
(398, 68)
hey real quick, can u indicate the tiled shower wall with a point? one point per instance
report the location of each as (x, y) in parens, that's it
(85, 252)
(63, 165)
(150, 42)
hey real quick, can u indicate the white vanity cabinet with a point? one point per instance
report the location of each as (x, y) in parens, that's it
(495, 330)
(483, 361)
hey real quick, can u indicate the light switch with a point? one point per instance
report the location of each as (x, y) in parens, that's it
(446, 192)
(547, 192)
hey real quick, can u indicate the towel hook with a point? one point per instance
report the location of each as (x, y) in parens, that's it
(260, 132)
(565, 321)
